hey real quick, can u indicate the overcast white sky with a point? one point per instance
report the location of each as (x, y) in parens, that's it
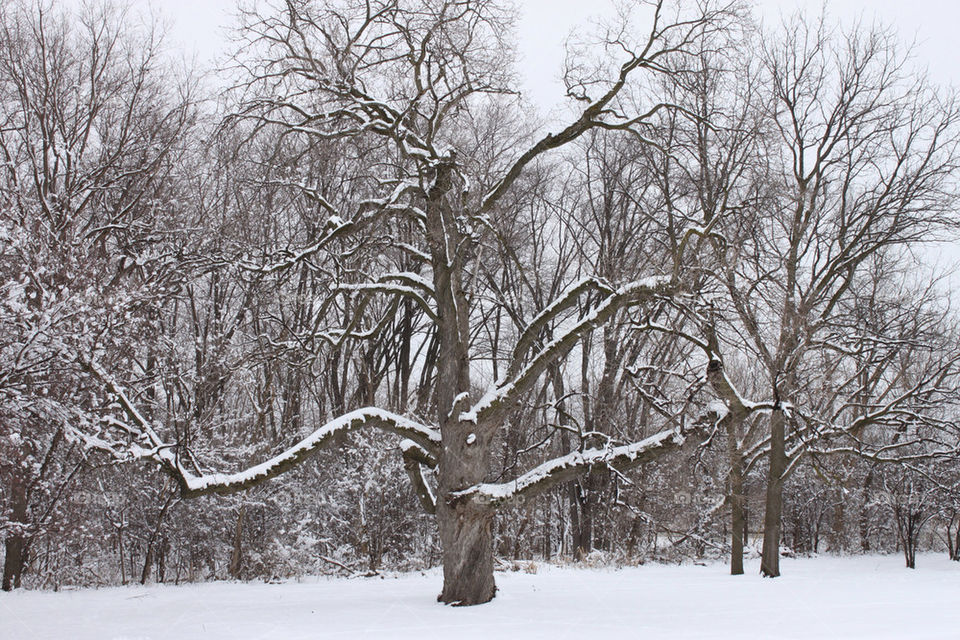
(199, 25)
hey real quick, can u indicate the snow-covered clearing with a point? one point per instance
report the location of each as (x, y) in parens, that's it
(858, 597)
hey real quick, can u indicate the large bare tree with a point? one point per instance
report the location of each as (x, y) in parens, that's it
(406, 74)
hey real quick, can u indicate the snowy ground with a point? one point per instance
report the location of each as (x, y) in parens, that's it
(860, 597)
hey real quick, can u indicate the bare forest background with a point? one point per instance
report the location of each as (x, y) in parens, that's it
(359, 311)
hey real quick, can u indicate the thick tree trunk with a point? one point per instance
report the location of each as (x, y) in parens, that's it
(770, 562)
(838, 534)
(15, 545)
(162, 551)
(467, 540)
(466, 532)
(910, 555)
(147, 564)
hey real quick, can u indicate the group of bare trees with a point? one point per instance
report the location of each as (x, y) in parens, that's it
(716, 261)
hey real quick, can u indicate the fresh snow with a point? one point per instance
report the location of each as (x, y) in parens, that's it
(494, 492)
(343, 423)
(827, 597)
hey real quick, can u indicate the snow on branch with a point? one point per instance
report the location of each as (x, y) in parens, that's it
(221, 483)
(536, 325)
(193, 485)
(572, 465)
(728, 393)
(731, 397)
(411, 279)
(415, 458)
(334, 228)
(394, 289)
(505, 392)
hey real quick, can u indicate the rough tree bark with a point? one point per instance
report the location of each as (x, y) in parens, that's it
(14, 562)
(466, 533)
(770, 562)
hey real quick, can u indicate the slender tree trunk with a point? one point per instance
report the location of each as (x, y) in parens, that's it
(236, 554)
(571, 490)
(838, 536)
(152, 542)
(770, 561)
(909, 544)
(583, 533)
(953, 539)
(864, 519)
(162, 552)
(737, 521)
(908, 533)
(547, 527)
(737, 515)
(518, 539)
(123, 567)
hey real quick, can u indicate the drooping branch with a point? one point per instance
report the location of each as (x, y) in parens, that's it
(404, 291)
(415, 458)
(193, 485)
(369, 417)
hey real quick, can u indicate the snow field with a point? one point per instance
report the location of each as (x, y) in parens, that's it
(826, 597)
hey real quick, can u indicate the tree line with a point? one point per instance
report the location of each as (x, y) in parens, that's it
(358, 306)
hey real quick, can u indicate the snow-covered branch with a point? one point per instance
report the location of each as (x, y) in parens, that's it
(405, 291)
(415, 458)
(192, 485)
(573, 465)
(505, 392)
(536, 325)
(369, 417)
